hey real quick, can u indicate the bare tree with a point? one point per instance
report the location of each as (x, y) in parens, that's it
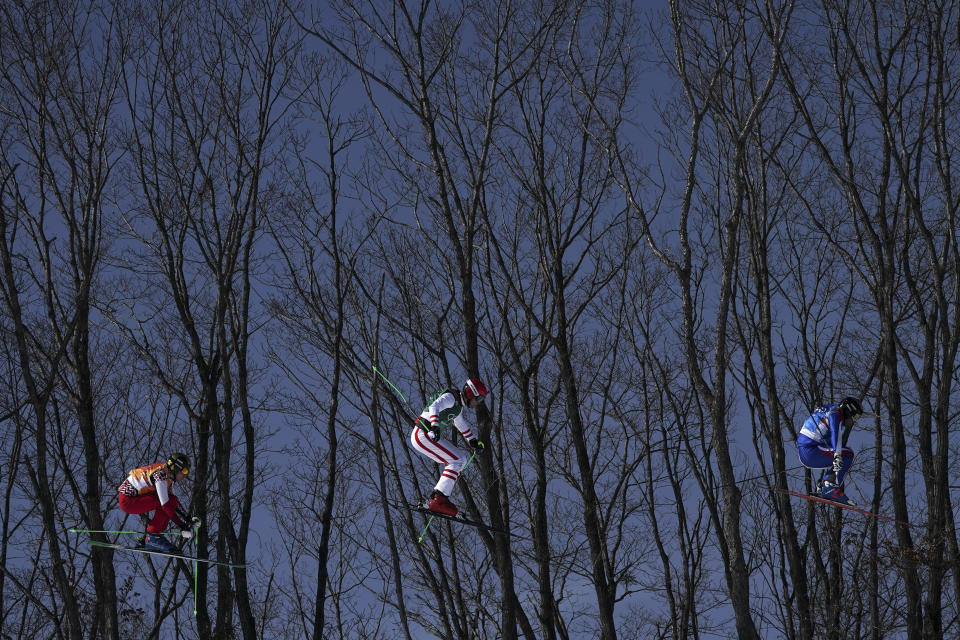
(656, 298)
(60, 85)
(877, 119)
(550, 262)
(448, 103)
(319, 277)
(206, 105)
(710, 48)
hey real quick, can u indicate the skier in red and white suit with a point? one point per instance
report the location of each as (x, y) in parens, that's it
(147, 489)
(444, 408)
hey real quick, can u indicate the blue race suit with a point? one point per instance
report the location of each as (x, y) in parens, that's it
(819, 438)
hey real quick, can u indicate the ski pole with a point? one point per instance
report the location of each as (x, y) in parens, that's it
(401, 396)
(390, 384)
(424, 531)
(196, 572)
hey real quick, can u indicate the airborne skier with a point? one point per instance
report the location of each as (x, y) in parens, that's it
(147, 489)
(442, 409)
(820, 444)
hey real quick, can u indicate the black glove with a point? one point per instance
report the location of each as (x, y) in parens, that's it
(477, 445)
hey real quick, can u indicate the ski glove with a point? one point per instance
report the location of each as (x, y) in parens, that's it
(476, 444)
(837, 462)
(186, 533)
(194, 522)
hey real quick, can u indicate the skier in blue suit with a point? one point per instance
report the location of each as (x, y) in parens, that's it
(821, 444)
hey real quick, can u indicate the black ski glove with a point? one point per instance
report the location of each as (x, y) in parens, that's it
(476, 445)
